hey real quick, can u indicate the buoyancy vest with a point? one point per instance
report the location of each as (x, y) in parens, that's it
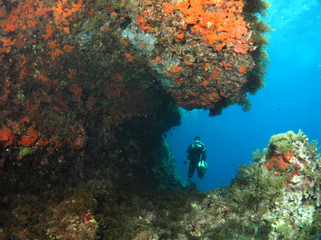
(197, 148)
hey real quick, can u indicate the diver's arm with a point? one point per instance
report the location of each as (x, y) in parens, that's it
(203, 156)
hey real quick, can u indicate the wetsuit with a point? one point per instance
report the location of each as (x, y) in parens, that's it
(196, 153)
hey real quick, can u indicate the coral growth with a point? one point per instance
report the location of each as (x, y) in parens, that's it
(204, 51)
(64, 62)
(75, 99)
(220, 23)
(58, 79)
(6, 136)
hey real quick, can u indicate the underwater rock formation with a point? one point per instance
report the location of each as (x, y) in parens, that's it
(207, 54)
(262, 202)
(70, 94)
(75, 70)
(282, 202)
(86, 84)
(84, 80)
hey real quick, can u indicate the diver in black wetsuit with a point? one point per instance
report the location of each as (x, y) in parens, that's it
(196, 158)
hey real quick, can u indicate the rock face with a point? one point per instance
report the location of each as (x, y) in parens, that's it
(207, 54)
(281, 202)
(78, 75)
(74, 91)
(263, 202)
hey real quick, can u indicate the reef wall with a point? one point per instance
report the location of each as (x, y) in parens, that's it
(275, 197)
(207, 54)
(74, 92)
(76, 74)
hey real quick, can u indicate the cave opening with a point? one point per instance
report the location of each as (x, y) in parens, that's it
(230, 140)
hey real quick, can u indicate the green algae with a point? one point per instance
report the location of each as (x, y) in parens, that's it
(282, 143)
(124, 205)
(254, 189)
(25, 151)
(253, 12)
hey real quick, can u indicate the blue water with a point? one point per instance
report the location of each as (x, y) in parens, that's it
(290, 100)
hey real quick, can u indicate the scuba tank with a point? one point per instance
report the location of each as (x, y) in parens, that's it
(201, 168)
(202, 164)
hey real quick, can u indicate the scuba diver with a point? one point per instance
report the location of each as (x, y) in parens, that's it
(196, 158)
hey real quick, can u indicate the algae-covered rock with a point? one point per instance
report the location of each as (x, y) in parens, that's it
(84, 81)
(207, 54)
(261, 203)
(264, 201)
(74, 70)
(283, 142)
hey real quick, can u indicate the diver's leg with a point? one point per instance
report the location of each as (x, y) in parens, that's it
(201, 172)
(191, 168)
